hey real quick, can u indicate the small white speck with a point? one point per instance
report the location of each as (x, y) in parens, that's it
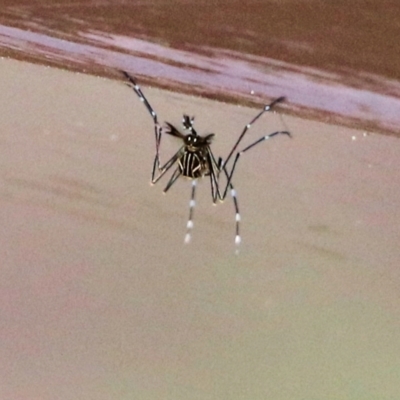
(266, 137)
(189, 224)
(365, 134)
(266, 108)
(252, 92)
(153, 113)
(248, 126)
(194, 182)
(237, 239)
(233, 192)
(353, 138)
(192, 203)
(142, 99)
(187, 238)
(237, 217)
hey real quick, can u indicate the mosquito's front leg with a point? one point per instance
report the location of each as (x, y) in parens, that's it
(156, 162)
(266, 108)
(167, 166)
(238, 154)
(157, 128)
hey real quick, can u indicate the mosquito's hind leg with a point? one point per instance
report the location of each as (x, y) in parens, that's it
(192, 204)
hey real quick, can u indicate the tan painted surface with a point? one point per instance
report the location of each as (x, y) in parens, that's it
(100, 298)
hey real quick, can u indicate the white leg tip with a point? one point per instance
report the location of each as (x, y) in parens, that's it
(237, 240)
(187, 238)
(189, 224)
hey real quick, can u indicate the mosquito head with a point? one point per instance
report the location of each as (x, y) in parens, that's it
(187, 122)
(194, 142)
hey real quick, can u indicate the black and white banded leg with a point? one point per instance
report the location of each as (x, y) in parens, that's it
(224, 163)
(266, 108)
(237, 215)
(157, 128)
(192, 204)
(238, 154)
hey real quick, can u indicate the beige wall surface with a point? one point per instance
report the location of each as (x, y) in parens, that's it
(100, 297)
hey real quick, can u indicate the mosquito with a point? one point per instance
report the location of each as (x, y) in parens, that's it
(195, 159)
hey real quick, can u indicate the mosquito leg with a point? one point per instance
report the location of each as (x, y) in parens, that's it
(266, 108)
(262, 139)
(157, 129)
(213, 188)
(214, 176)
(156, 162)
(192, 204)
(168, 165)
(238, 239)
(177, 173)
(233, 193)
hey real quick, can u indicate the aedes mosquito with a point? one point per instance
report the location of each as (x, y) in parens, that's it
(195, 158)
